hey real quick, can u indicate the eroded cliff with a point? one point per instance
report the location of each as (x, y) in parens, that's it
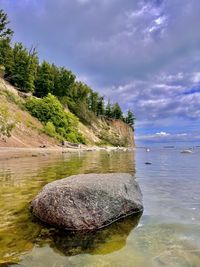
(28, 131)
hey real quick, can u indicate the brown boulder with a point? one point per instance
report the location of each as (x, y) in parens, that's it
(88, 201)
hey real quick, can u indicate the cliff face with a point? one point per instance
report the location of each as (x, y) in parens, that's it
(123, 130)
(28, 131)
(109, 132)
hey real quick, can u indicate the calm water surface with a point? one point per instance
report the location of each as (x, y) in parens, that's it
(167, 234)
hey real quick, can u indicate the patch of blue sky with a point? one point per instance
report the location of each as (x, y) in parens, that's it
(192, 91)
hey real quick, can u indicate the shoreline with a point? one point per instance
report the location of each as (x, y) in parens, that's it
(17, 152)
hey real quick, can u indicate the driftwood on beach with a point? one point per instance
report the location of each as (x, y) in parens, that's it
(70, 145)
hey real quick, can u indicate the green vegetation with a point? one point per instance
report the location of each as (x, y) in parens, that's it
(12, 98)
(5, 32)
(57, 122)
(6, 123)
(22, 69)
(130, 119)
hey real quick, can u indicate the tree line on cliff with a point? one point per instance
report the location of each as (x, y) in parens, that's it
(21, 67)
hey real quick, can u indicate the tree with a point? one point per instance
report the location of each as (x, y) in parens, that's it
(32, 67)
(100, 106)
(79, 91)
(44, 80)
(21, 67)
(130, 119)
(116, 111)
(6, 57)
(5, 32)
(24, 68)
(108, 111)
(6, 60)
(93, 101)
(55, 76)
(63, 79)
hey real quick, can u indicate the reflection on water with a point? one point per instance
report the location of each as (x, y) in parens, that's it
(20, 181)
(105, 241)
(168, 233)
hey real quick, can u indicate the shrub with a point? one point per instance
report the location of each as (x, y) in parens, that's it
(50, 129)
(80, 109)
(57, 122)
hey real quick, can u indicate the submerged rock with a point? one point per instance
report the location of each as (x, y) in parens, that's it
(88, 201)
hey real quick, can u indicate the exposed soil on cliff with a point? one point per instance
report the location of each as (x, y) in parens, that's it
(28, 131)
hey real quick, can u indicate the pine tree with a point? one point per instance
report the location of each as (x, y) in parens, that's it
(5, 32)
(93, 101)
(32, 67)
(6, 60)
(6, 57)
(100, 106)
(116, 111)
(24, 68)
(130, 119)
(64, 79)
(55, 76)
(108, 111)
(44, 80)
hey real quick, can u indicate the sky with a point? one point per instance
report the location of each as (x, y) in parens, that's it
(145, 54)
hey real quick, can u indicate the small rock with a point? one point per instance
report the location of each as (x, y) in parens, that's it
(34, 155)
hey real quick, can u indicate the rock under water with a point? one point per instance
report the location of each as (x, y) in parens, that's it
(88, 201)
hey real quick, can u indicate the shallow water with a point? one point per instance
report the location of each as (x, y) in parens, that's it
(167, 234)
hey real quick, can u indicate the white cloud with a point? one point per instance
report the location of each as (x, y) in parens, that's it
(163, 134)
(160, 20)
(160, 101)
(165, 137)
(196, 77)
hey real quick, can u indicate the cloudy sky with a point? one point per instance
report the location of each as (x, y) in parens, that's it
(145, 54)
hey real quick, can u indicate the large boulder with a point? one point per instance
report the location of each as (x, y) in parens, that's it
(88, 201)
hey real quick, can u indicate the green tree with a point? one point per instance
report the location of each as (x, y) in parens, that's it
(93, 101)
(44, 82)
(6, 57)
(63, 79)
(79, 92)
(55, 76)
(108, 110)
(24, 68)
(77, 101)
(5, 32)
(116, 111)
(100, 106)
(130, 119)
(21, 67)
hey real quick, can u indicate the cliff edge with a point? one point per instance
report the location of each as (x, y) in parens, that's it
(27, 131)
